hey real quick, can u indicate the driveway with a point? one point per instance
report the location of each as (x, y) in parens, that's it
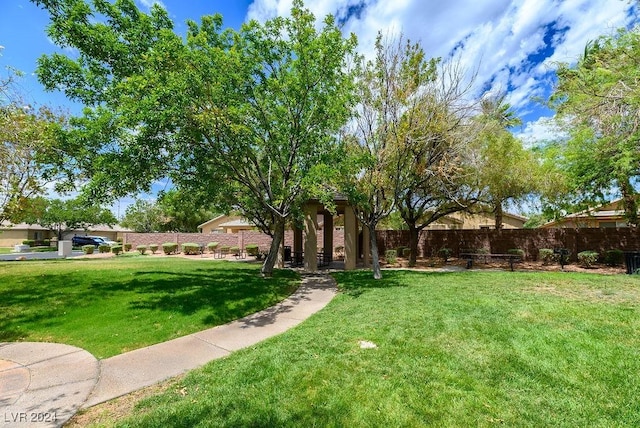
(49, 255)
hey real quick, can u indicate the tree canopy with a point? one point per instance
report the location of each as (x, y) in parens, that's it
(598, 102)
(251, 113)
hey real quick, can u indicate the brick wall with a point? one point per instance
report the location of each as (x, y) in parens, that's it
(529, 240)
(240, 239)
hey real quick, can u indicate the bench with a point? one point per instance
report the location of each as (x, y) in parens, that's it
(470, 257)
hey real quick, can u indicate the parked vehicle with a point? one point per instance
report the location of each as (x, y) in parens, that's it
(79, 241)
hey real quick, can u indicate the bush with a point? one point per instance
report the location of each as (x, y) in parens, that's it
(116, 249)
(400, 251)
(252, 249)
(142, 249)
(613, 257)
(481, 251)
(588, 258)
(391, 256)
(87, 249)
(46, 242)
(546, 256)
(211, 246)
(235, 250)
(127, 247)
(153, 248)
(169, 248)
(191, 249)
(104, 248)
(516, 252)
(29, 242)
(444, 253)
(224, 249)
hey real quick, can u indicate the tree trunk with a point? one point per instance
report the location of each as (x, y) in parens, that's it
(375, 256)
(413, 244)
(498, 212)
(629, 202)
(274, 250)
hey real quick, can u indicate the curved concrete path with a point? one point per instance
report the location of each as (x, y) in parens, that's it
(44, 384)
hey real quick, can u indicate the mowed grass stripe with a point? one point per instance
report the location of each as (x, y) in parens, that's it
(110, 306)
(453, 349)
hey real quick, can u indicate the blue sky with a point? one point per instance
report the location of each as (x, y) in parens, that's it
(511, 45)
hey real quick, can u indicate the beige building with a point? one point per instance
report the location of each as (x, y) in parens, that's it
(602, 216)
(225, 224)
(12, 234)
(483, 220)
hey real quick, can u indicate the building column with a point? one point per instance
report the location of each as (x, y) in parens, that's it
(297, 245)
(366, 247)
(350, 239)
(310, 237)
(328, 237)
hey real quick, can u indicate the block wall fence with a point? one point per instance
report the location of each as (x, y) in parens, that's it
(495, 241)
(240, 239)
(529, 240)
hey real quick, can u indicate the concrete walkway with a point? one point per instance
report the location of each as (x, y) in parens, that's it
(45, 384)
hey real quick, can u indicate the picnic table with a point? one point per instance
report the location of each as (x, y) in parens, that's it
(470, 257)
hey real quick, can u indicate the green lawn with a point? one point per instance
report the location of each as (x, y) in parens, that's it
(453, 349)
(110, 306)
(6, 250)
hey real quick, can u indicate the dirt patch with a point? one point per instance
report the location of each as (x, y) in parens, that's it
(107, 413)
(504, 265)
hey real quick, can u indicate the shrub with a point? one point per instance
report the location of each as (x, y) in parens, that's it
(169, 248)
(211, 246)
(252, 249)
(127, 247)
(224, 249)
(191, 249)
(400, 251)
(87, 249)
(235, 250)
(546, 256)
(142, 249)
(444, 253)
(391, 256)
(29, 242)
(153, 248)
(613, 257)
(481, 251)
(516, 252)
(46, 242)
(104, 248)
(588, 258)
(119, 240)
(116, 249)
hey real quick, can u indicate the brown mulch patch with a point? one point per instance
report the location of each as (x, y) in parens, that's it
(432, 263)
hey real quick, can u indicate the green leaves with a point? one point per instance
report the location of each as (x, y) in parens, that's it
(597, 101)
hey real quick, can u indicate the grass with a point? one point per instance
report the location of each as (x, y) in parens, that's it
(453, 349)
(110, 306)
(6, 250)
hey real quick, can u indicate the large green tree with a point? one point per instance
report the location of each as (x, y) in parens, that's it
(435, 159)
(508, 171)
(70, 214)
(251, 113)
(143, 217)
(597, 101)
(27, 147)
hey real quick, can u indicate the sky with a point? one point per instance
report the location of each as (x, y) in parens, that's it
(513, 46)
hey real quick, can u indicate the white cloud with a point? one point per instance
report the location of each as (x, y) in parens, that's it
(149, 3)
(495, 37)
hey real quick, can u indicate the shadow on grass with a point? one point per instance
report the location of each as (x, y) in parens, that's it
(221, 292)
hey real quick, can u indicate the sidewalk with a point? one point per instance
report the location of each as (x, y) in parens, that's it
(45, 384)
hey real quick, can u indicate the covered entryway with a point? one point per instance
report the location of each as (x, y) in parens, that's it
(305, 242)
